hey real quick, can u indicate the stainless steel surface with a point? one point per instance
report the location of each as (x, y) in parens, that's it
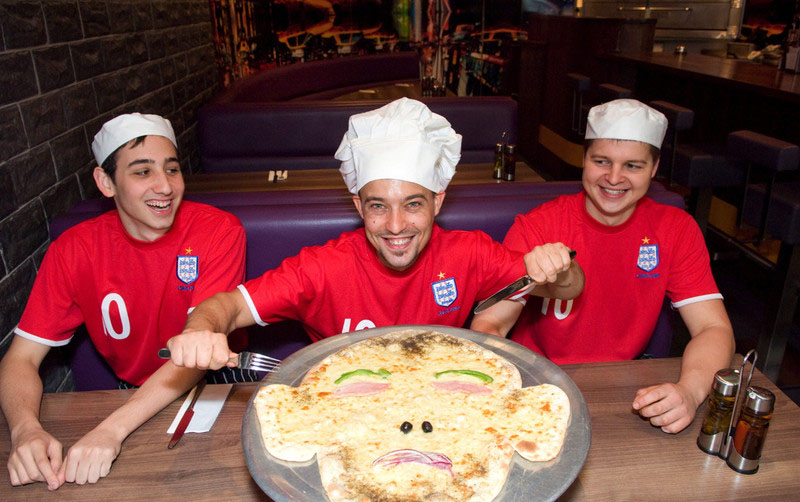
(526, 482)
(711, 444)
(677, 20)
(740, 464)
(504, 293)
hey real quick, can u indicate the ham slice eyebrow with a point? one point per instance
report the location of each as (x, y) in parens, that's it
(360, 389)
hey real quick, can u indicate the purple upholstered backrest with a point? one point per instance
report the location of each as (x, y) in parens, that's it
(236, 137)
(321, 79)
(279, 224)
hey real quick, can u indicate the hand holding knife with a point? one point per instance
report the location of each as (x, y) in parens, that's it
(509, 290)
(187, 416)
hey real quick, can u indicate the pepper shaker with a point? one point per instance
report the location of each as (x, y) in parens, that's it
(751, 430)
(510, 161)
(721, 401)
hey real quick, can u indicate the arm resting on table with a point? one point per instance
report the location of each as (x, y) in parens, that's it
(673, 406)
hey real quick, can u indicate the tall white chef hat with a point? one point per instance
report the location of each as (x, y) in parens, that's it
(119, 130)
(626, 119)
(403, 140)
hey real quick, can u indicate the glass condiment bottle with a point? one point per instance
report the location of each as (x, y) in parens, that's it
(497, 172)
(510, 161)
(721, 401)
(751, 430)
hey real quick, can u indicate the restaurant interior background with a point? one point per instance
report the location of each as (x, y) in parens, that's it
(67, 66)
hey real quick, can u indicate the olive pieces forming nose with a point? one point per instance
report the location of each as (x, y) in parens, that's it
(406, 427)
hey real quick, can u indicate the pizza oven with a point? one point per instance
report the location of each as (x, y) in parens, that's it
(707, 24)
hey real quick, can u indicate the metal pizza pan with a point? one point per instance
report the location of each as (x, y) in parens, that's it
(527, 481)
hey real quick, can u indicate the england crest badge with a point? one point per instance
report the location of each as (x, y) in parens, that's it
(445, 292)
(187, 268)
(648, 257)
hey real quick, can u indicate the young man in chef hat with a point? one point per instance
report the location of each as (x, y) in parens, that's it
(633, 251)
(400, 268)
(130, 276)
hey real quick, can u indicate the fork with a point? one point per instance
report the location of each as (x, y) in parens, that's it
(246, 361)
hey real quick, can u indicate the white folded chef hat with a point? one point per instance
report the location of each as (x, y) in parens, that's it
(119, 130)
(404, 141)
(626, 119)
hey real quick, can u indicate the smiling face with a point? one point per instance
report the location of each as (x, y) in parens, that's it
(147, 187)
(398, 219)
(616, 174)
(412, 413)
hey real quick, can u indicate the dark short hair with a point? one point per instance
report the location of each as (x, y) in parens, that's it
(655, 153)
(110, 164)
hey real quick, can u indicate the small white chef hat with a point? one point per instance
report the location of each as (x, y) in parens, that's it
(119, 130)
(404, 141)
(626, 119)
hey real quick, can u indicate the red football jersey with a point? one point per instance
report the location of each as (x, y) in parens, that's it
(629, 268)
(132, 295)
(342, 286)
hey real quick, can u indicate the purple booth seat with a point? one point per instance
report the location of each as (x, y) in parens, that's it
(322, 79)
(257, 136)
(279, 230)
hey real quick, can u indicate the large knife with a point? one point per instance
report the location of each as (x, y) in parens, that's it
(187, 416)
(509, 290)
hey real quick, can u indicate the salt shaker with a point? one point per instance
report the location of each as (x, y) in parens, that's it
(721, 401)
(751, 430)
(510, 161)
(497, 171)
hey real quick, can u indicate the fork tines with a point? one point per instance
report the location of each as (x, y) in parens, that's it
(258, 362)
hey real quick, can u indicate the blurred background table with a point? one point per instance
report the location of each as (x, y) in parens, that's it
(317, 179)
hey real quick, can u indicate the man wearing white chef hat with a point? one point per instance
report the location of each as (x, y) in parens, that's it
(130, 276)
(401, 268)
(634, 251)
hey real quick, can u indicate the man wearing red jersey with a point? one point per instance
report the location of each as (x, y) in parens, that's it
(131, 276)
(633, 251)
(401, 268)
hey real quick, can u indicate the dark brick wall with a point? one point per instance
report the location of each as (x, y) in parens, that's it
(67, 66)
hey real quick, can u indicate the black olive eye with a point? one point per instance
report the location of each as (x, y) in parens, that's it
(405, 428)
(427, 427)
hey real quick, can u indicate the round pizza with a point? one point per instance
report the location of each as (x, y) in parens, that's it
(413, 415)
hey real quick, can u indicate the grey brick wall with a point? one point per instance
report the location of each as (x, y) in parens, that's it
(67, 66)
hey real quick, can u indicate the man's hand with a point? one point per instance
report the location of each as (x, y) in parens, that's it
(90, 458)
(202, 350)
(35, 456)
(669, 406)
(544, 263)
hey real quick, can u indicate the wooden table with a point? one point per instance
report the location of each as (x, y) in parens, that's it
(316, 179)
(628, 459)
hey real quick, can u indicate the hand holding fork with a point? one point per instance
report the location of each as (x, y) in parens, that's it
(205, 350)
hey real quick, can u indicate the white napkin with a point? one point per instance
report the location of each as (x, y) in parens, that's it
(206, 409)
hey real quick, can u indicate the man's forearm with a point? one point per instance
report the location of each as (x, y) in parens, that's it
(222, 313)
(705, 354)
(161, 389)
(20, 403)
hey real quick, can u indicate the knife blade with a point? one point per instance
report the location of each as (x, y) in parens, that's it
(187, 416)
(509, 290)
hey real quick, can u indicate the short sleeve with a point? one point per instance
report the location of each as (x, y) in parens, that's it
(690, 277)
(52, 313)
